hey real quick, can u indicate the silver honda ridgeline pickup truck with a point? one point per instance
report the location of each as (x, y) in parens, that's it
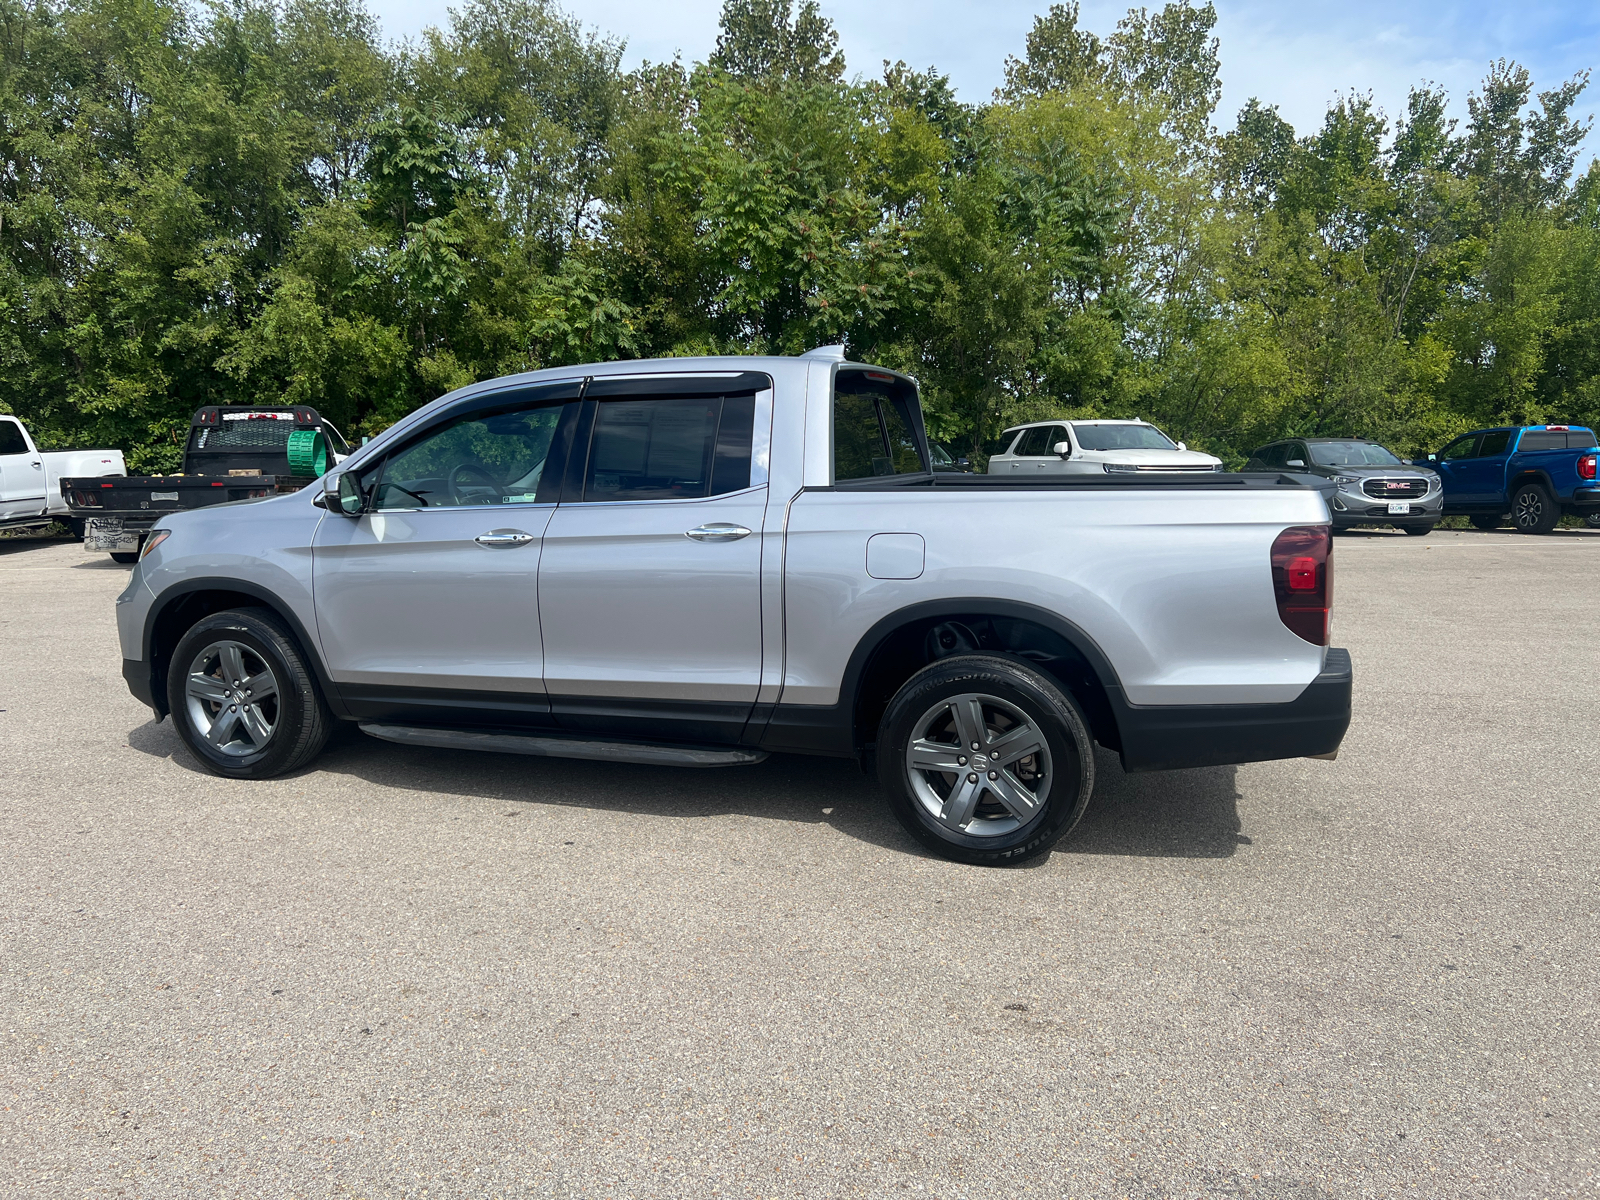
(698, 561)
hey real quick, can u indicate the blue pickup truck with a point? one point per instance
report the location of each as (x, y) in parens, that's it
(1535, 473)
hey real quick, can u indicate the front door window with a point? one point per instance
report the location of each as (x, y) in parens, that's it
(480, 459)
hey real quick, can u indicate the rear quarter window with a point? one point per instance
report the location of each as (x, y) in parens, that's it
(876, 430)
(1538, 439)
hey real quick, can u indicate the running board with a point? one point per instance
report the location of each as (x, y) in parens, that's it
(552, 747)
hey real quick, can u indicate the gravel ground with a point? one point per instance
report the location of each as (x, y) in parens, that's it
(413, 972)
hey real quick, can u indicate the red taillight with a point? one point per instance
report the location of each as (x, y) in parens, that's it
(1586, 467)
(1302, 579)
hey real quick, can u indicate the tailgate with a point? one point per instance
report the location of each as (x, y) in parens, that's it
(154, 494)
(160, 493)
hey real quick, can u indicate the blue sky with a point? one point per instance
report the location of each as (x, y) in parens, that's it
(1296, 55)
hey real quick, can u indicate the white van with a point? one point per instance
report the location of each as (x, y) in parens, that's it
(1094, 447)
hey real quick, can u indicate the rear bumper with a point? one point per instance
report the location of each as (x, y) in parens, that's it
(1585, 499)
(1164, 737)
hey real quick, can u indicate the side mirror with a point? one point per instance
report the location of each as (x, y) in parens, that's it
(340, 494)
(1296, 462)
(1433, 458)
(1183, 445)
(1063, 449)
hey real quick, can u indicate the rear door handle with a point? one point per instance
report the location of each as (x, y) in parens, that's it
(717, 531)
(504, 537)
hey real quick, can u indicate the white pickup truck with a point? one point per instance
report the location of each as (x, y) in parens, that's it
(1099, 447)
(30, 478)
(701, 561)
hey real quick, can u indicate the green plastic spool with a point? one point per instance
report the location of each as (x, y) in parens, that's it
(308, 452)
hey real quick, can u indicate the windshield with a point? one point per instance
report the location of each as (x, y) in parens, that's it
(1122, 437)
(1351, 454)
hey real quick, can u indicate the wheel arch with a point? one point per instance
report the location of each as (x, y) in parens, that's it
(1533, 475)
(178, 608)
(902, 643)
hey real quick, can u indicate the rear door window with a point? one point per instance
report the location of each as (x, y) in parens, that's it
(877, 429)
(670, 437)
(670, 448)
(1494, 443)
(11, 440)
(1036, 442)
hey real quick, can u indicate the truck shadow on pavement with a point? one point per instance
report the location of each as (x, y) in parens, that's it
(1171, 814)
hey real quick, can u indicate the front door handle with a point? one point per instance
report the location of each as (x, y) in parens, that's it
(717, 531)
(504, 537)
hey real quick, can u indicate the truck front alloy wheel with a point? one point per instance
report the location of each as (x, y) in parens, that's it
(241, 696)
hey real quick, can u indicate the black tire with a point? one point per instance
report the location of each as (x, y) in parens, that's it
(1417, 530)
(1054, 716)
(300, 718)
(1592, 520)
(1485, 522)
(1532, 509)
(125, 556)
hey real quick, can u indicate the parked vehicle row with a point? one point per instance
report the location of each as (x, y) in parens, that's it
(30, 478)
(700, 561)
(1529, 475)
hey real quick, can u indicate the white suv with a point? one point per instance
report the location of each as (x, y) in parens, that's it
(1094, 447)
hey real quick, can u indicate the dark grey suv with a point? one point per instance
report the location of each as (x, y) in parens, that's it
(1363, 483)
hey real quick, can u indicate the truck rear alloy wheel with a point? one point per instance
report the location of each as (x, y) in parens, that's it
(978, 765)
(242, 698)
(985, 760)
(1532, 510)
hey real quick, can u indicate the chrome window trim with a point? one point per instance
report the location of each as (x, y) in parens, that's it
(659, 500)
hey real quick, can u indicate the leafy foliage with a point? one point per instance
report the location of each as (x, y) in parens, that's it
(258, 200)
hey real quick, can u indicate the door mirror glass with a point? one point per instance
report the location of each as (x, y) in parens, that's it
(349, 495)
(1297, 462)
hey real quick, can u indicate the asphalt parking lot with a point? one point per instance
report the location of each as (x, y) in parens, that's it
(413, 972)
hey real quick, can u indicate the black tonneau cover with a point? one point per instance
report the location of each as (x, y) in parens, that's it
(1175, 480)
